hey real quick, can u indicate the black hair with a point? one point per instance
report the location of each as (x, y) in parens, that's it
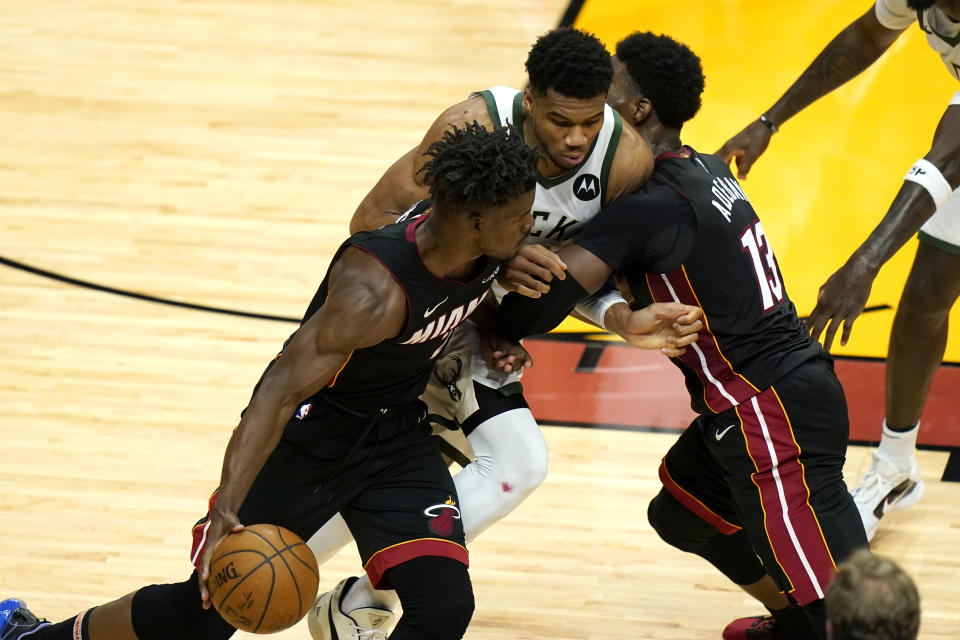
(920, 5)
(573, 63)
(473, 168)
(666, 72)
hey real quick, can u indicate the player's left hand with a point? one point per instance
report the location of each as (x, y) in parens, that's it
(665, 326)
(222, 524)
(503, 355)
(841, 300)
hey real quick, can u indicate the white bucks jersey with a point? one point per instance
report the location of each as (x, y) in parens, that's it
(943, 36)
(562, 203)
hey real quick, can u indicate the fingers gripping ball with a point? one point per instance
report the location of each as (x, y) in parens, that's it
(263, 579)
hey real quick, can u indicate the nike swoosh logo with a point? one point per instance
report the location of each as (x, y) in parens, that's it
(896, 494)
(428, 312)
(720, 434)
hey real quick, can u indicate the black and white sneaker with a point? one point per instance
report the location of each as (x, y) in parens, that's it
(16, 620)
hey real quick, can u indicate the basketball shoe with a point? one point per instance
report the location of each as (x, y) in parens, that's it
(755, 628)
(16, 619)
(327, 621)
(886, 487)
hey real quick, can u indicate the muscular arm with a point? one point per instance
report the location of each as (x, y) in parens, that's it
(848, 54)
(586, 273)
(845, 293)
(365, 306)
(647, 231)
(402, 184)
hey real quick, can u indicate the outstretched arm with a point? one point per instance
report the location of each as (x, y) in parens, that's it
(927, 186)
(365, 306)
(665, 326)
(848, 54)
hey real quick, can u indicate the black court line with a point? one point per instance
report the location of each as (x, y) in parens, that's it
(86, 284)
(572, 13)
(594, 348)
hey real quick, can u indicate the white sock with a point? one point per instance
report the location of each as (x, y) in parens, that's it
(331, 537)
(898, 446)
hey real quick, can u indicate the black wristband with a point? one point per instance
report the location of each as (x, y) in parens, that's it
(766, 121)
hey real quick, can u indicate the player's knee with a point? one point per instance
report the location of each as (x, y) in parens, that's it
(164, 611)
(677, 525)
(510, 449)
(436, 596)
(926, 293)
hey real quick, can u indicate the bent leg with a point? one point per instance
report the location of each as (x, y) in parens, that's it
(510, 462)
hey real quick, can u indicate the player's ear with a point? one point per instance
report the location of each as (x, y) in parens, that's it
(528, 100)
(641, 108)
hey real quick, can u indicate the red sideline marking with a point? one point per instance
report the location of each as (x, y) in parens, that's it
(641, 388)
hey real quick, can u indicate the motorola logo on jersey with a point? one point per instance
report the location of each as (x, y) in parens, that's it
(586, 187)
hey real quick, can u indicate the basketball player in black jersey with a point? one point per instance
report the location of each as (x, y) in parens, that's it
(335, 424)
(754, 485)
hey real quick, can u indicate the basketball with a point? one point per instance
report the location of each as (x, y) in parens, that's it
(263, 579)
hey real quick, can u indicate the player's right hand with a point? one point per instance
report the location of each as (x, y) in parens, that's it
(222, 524)
(668, 327)
(746, 147)
(531, 269)
(502, 354)
(841, 301)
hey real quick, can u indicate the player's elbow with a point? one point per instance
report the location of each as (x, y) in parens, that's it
(360, 221)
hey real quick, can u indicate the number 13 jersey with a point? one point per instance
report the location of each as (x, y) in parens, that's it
(690, 235)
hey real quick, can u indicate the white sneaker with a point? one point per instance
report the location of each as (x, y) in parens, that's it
(884, 488)
(327, 621)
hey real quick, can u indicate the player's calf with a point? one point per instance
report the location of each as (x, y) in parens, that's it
(436, 596)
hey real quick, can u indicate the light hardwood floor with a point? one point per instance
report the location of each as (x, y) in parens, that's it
(213, 152)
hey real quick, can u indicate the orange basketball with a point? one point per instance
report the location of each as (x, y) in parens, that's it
(263, 579)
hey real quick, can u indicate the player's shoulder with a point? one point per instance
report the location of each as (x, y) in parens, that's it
(364, 276)
(632, 164)
(473, 109)
(894, 14)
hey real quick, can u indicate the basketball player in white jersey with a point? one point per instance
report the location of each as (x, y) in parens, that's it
(587, 158)
(928, 201)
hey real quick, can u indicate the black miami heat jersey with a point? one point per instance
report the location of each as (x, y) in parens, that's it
(395, 371)
(690, 235)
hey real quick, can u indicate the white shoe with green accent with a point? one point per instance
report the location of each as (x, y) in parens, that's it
(327, 621)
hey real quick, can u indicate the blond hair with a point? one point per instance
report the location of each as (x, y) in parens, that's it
(871, 598)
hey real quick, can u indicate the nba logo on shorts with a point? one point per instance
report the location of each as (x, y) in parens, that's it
(304, 411)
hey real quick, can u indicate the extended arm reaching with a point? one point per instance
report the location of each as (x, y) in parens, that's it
(928, 184)
(848, 54)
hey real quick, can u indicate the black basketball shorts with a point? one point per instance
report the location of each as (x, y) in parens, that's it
(774, 466)
(383, 473)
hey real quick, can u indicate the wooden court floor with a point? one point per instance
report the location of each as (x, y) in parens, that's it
(212, 152)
